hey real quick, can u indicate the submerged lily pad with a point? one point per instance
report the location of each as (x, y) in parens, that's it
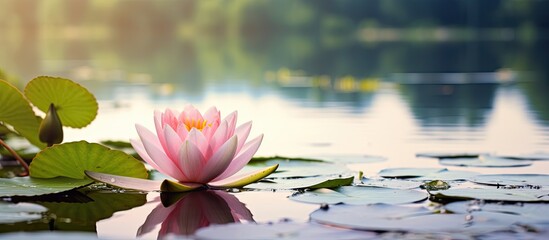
(282, 230)
(493, 194)
(408, 172)
(75, 105)
(301, 183)
(28, 186)
(512, 179)
(485, 161)
(383, 217)
(71, 159)
(360, 195)
(12, 213)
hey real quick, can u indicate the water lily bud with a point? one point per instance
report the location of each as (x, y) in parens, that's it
(51, 129)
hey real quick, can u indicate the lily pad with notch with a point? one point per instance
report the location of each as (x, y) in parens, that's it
(358, 195)
(525, 180)
(408, 172)
(485, 161)
(303, 183)
(492, 194)
(298, 167)
(384, 217)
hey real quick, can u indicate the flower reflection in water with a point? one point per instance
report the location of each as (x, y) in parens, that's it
(184, 213)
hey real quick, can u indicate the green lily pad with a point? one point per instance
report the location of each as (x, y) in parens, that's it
(492, 194)
(299, 167)
(435, 185)
(29, 186)
(512, 179)
(12, 213)
(408, 172)
(355, 195)
(383, 217)
(485, 161)
(75, 105)
(449, 154)
(17, 112)
(448, 175)
(281, 230)
(535, 211)
(390, 183)
(302, 183)
(539, 156)
(71, 159)
(347, 159)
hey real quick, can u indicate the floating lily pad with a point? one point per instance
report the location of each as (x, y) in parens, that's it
(75, 105)
(435, 185)
(17, 112)
(448, 175)
(360, 195)
(346, 159)
(540, 156)
(71, 159)
(408, 172)
(299, 167)
(485, 161)
(493, 194)
(382, 217)
(537, 212)
(449, 154)
(283, 230)
(390, 183)
(301, 183)
(28, 186)
(512, 179)
(12, 213)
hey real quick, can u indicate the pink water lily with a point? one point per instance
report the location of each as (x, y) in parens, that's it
(198, 149)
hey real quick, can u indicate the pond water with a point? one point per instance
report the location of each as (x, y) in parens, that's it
(392, 100)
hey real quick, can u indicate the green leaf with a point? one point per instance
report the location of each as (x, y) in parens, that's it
(173, 186)
(29, 186)
(383, 217)
(72, 159)
(408, 172)
(12, 213)
(485, 161)
(492, 194)
(75, 105)
(298, 167)
(360, 195)
(17, 112)
(512, 179)
(302, 183)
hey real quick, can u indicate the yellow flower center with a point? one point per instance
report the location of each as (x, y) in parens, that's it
(195, 123)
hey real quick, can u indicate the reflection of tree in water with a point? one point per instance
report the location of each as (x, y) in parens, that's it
(450, 106)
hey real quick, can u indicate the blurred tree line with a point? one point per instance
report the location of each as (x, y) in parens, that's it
(273, 16)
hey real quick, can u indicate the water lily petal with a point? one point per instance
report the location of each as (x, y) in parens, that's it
(231, 123)
(200, 141)
(219, 161)
(159, 125)
(220, 136)
(164, 166)
(242, 158)
(173, 142)
(191, 160)
(190, 115)
(243, 131)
